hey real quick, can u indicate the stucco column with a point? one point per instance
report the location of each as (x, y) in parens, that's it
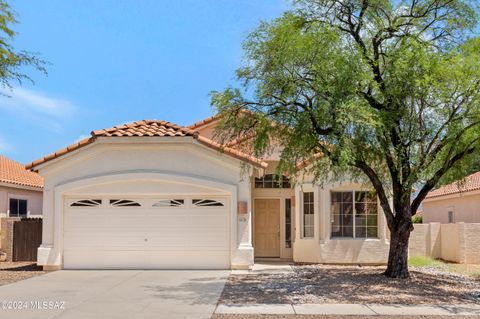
(244, 257)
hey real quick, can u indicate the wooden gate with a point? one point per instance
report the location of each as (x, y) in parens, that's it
(27, 237)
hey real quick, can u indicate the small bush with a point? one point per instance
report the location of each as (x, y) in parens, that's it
(424, 261)
(417, 219)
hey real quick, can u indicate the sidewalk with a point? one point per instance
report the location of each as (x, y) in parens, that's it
(350, 309)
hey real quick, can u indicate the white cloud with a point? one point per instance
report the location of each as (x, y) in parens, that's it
(5, 146)
(39, 108)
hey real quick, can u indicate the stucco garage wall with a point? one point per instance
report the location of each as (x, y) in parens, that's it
(466, 207)
(176, 156)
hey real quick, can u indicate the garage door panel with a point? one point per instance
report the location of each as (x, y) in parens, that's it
(100, 259)
(167, 221)
(212, 221)
(95, 239)
(147, 237)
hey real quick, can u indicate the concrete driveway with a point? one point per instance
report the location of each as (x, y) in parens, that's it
(114, 294)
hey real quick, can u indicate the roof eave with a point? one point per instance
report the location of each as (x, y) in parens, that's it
(39, 163)
(21, 185)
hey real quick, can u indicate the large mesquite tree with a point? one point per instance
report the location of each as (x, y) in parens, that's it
(381, 89)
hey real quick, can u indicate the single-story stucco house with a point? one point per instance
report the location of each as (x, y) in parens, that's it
(456, 202)
(21, 191)
(155, 195)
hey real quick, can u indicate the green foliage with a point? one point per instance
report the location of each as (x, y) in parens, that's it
(423, 261)
(417, 219)
(12, 61)
(386, 91)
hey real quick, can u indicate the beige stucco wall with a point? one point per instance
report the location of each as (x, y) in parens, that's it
(324, 249)
(34, 199)
(425, 240)
(466, 208)
(450, 242)
(458, 242)
(178, 157)
(471, 243)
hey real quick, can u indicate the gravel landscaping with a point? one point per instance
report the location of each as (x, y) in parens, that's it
(217, 316)
(352, 284)
(16, 271)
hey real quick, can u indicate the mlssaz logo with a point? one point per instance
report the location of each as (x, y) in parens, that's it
(35, 305)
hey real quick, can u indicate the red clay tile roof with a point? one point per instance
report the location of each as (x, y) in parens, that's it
(213, 118)
(204, 122)
(148, 128)
(470, 183)
(12, 172)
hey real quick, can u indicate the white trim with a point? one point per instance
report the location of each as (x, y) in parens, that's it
(312, 225)
(118, 143)
(353, 191)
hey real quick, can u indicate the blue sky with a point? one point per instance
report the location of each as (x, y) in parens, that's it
(117, 61)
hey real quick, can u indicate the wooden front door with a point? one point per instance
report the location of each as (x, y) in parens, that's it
(267, 228)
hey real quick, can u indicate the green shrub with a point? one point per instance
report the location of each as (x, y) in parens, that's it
(417, 219)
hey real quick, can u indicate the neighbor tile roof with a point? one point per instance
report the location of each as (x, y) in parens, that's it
(149, 128)
(12, 172)
(470, 183)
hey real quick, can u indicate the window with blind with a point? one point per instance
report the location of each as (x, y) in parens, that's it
(308, 215)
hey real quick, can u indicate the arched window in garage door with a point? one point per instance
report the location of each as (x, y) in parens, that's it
(124, 203)
(170, 203)
(207, 203)
(87, 203)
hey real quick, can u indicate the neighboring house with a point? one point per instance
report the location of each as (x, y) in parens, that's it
(21, 191)
(152, 194)
(455, 202)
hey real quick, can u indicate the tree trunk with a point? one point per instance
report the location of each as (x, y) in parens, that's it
(398, 254)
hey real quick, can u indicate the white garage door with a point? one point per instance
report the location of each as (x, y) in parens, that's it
(147, 233)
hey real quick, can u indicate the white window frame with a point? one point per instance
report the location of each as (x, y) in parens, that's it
(302, 215)
(354, 191)
(19, 197)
